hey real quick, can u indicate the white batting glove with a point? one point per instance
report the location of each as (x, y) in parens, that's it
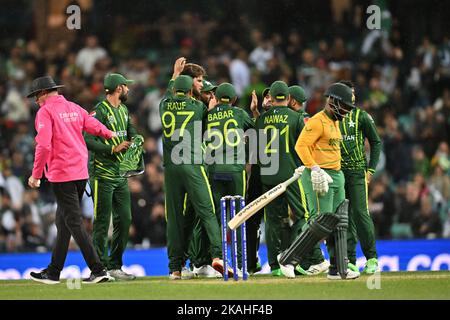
(320, 180)
(299, 170)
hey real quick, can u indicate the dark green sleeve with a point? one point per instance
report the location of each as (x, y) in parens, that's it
(247, 121)
(370, 132)
(300, 124)
(169, 89)
(94, 143)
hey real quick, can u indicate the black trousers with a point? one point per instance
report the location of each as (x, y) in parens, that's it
(69, 222)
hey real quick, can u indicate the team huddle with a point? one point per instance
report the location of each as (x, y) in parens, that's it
(210, 145)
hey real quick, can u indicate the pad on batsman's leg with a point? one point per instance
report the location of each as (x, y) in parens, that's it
(340, 239)
(318, 229)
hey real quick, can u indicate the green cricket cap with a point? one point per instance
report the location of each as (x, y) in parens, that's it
(297, 93)
(279, 90)
(265, 92)
(225, 92)
(183, 84)
(208, 86)
(113, 80)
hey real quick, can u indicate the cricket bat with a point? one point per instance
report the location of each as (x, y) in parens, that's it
(259, 203)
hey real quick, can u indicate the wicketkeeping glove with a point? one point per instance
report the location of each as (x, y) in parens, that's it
(320, 180)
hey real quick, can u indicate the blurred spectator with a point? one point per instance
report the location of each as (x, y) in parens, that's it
(240, 72)
(421, 162)
(140, 210)
(260, 55)
(407, 203)
(426, 222)
(149, 108)
(15, 189)
(381, 208)
(157, 226)
(89, 55)
(15, 107)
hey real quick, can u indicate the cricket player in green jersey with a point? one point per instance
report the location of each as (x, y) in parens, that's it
(355, 128)
(254, 190)
(281, 125)
(109, 190)
(185, 175)
(225, 152)
(297, 100)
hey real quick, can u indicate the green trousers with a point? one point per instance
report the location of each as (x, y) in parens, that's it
(183, 182)
(276, 219)
(222, 184)
(325, 203)
(360, 222)
(111, 197)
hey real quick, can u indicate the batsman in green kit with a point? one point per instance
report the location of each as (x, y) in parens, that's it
(281, 125)
(109, 190)
(185, 176)
(356, 128)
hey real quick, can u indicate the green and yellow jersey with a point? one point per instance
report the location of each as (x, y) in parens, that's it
(281, 126)
(355, 128)
(182, 120)
(225, 144)
(103, 162)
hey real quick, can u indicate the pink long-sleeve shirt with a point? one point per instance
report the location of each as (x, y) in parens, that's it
(59, 141)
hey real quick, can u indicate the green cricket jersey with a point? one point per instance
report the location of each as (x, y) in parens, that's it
(225, 142)
(355, 128)
(103, 162)
(182, 119)
(281, 126)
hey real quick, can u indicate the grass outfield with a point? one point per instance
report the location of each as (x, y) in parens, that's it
(394, 285)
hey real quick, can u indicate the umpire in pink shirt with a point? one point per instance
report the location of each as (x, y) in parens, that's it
(62, 154)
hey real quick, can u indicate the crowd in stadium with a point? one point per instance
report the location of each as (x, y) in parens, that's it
(407, 94)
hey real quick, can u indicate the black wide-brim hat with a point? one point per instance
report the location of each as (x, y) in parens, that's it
(42, 83)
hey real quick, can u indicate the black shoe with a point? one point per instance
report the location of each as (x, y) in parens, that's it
(99, 277)
(44, 277)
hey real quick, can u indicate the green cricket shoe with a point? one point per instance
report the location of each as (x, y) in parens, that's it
(277, 272)
(371, 266)
(352, 267)
(300, 271)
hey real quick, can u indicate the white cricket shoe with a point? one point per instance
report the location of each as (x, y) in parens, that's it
(121, 275)
(206, 271)
(186, 274)
(287, 270)
(241, 274)
(319, 268)
(334, 275)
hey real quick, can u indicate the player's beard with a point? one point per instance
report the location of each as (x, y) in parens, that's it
(197, 94)
(123, 97)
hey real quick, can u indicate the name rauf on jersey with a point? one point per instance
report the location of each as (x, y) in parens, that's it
(220, 115)
(176, 105)
(276, 118)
